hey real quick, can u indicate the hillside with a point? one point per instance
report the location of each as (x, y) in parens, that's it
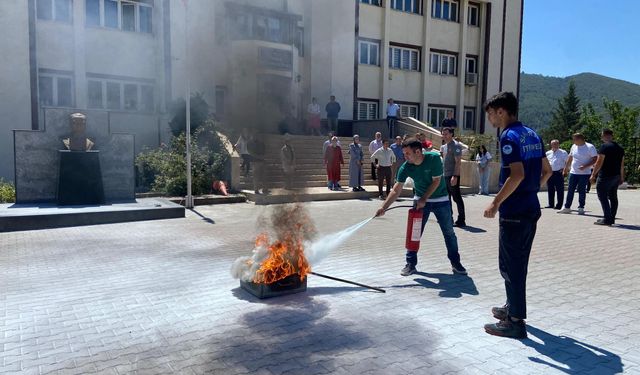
(539, 94)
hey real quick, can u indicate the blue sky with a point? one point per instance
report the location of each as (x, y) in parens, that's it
(566, 37)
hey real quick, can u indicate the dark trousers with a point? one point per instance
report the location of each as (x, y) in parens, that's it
(333, 124)
(442, 212)
(373, 169)
(579, 182)
(607, 188)
(515, 239)
(456, 195)
(246, 164)
(555, 186)
(384, 173)
(391, 123)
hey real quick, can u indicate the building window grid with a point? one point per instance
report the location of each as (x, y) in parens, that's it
(371, 2)
(54, 10)
(437, 114)
(404, 58)
(409, 6)
(445, 10)
(368, 52)
(409, 110)
(470, 118)
(367, 110)
(133, 16)
(120, 96)
(442, 63)
(473, 17)
(55, 90)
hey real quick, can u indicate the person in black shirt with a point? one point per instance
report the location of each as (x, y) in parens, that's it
(608, 173)
(449, 122)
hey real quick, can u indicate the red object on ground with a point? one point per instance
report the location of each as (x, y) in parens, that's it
(219, 186)
(414, 230)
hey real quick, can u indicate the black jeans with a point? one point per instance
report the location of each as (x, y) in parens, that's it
(373, 170)
(384, 173)
(516, 237)
(555, 186)
(607, 188)
(456, 195)
(391, 123)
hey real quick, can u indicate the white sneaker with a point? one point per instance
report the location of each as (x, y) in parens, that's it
(565, 211)
(580, 211)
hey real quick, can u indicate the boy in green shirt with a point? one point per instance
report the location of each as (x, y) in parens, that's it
(431, 194)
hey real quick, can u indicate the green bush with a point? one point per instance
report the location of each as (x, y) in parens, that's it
(199, 110)
(163, 169)
(7, 192)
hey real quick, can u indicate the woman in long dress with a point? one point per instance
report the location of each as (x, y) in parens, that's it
(356, 175)
(332, 160)
(483, 157)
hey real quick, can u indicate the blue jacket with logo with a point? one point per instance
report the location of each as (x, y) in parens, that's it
(519, 143)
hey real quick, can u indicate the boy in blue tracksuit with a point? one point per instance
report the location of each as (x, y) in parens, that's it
(524, 169)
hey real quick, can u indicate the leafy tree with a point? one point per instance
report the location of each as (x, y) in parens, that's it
(592, 124)
(624, 123)
(566, 117)
(199, 110)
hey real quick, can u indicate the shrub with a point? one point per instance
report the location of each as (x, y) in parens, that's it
(7, 192)
(199, 110)
(163, 169)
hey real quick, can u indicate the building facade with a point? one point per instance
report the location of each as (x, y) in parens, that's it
(256, 62)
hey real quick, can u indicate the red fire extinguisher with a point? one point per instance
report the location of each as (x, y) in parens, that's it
(414, 229)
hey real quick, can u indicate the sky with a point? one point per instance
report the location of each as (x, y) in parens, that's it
(566, 37)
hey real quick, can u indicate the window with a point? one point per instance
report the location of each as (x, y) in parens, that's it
(470, 118)
(445, 10)
(120, 95)
(437, 114)
(474, 15)
(367, 110)
(55, 90)
(411, 6)
(369, 52)
(404, 58)
(409, 110)
(126, 15)
(372, 2)
(54, 10)
(471, 65)
(441, 63)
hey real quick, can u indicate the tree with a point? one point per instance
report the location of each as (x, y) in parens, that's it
(592, 124)
(624, 123)
(199, 114)
(566, 117)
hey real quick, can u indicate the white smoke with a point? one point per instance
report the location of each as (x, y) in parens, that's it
(245, 268)
(318, 250)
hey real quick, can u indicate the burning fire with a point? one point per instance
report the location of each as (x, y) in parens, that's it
(284, 258)
(276, 259)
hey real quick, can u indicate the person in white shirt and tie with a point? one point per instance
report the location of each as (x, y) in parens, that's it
(392, 116)
(555, 184)
(385, 158)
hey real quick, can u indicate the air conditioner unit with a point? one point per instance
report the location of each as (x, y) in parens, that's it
(471, 79)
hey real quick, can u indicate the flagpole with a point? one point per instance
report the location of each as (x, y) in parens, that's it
(189, 199)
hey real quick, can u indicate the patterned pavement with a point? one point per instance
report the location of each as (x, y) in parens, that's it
(157, 297)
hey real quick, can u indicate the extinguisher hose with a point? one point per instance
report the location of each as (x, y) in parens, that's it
(403, 206)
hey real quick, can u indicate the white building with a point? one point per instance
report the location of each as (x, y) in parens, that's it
(255, 61)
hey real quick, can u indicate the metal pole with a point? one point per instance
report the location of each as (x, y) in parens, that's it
(189, 199)
(348, 282)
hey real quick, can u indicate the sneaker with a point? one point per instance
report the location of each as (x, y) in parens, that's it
(580, 211)
(500, 313)
(459, 269)
(460, 224)
(337, 186)
(565, 211)
(602, 222)
(409, 269)
(355, 189)
(557, 208)
(507, 328)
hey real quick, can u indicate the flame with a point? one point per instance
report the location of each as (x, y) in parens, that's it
(285, 258)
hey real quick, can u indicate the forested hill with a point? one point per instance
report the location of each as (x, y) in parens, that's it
(539, 94)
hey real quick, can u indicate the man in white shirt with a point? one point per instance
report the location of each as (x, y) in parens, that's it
(582, 157)
(385, 157)
(392, 116)
(555, 184)
(373, 147)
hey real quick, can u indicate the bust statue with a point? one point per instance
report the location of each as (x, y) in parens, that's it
(78, 140)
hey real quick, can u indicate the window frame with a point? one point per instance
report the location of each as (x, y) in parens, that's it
(371, 2)
(405, 109)
(477, 20)
(439, 107)
(466, 126)
(415, 6)
(370, 110)
(439, 6)
(55, 87)
(53, 13)
(119, 24)
(404, 48)
(141, 86)
(368, 42)
(441, 57)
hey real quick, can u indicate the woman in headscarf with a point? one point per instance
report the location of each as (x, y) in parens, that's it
(356, 175)
(332, 160)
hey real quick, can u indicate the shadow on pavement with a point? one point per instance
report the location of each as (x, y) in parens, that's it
(626, 226)
(471, 229)
(204, 218)
(578, 357)
(450, 285)
(243, 295)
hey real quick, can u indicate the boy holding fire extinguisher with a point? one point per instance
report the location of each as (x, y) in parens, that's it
(425, 168)
(524, 168)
